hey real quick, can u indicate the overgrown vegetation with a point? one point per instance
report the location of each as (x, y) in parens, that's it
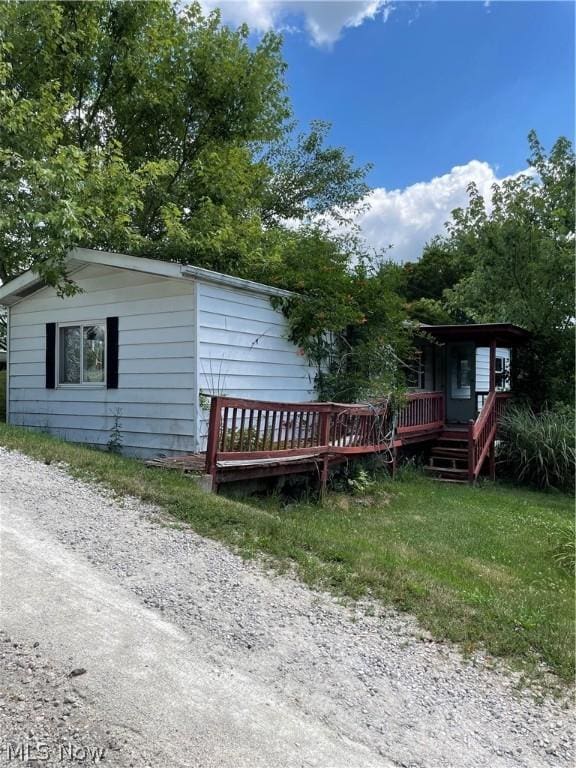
(565, 546)
(116, 439)
(475, 565)
(539, 448)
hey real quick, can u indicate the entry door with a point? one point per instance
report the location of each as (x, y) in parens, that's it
(460, 390)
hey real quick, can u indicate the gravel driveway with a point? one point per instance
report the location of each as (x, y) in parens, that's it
(360, 682)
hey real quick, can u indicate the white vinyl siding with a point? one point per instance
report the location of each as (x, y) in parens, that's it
(483, 366)
(156, 367)
(243, 350)
(483, 372)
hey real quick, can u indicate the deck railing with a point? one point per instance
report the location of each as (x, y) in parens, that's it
(424, 412)
(250, 430)
(482, 432)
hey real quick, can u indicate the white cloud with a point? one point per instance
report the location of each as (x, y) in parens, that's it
(323, 20)
(407, 218)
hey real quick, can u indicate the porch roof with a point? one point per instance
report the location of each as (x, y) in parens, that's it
(505, 334)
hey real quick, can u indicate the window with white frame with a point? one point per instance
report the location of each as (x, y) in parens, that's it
(502, 373)
(82, 353)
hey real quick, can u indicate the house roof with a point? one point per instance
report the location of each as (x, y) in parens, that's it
(481, 333)
(29, 282)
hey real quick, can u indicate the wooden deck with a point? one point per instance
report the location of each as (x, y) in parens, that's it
(248, 438)
(252, 439)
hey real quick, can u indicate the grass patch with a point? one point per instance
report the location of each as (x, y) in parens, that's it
(475, 565)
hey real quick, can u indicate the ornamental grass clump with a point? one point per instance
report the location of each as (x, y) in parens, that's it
(538, 448)
(565, 546)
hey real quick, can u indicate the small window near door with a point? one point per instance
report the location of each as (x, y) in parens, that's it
(81, 353)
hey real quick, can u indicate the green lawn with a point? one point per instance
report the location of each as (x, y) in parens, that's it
(475, 565)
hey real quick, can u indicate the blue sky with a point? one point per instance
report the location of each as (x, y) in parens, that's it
(433, 94)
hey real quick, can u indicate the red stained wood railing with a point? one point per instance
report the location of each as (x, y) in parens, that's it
(482, 432)
(241, 429)
(422, 414)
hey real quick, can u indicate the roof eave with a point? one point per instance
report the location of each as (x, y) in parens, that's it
(11, 293)
(505, 333)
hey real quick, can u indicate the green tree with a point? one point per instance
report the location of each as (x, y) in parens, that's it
(135, 110)
(309, 178)
(441, 266)
(346, 314)
(150, 128)
(516, 262)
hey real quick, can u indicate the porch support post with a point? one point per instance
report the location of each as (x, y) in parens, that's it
(492, 365)
(492, 452)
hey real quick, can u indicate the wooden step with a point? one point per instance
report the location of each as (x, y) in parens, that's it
(449, 452)
(450, 480)
(443, 439)
(446, 471)
(457, 462)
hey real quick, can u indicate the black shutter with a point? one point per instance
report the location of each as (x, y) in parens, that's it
(111, 353)
(50, 355)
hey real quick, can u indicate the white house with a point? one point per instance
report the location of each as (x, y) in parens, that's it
(139, 345)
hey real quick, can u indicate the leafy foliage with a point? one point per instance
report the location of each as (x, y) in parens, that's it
(310, 178)
(116, 438)
(347, 316)
(151, 128)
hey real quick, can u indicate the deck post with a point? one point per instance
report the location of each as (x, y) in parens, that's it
(213, 437)
(492, 461)
(324, 477)
(324, 431)
(324, 435)
(471, 467)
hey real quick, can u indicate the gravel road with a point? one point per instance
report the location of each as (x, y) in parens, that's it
(363, 678)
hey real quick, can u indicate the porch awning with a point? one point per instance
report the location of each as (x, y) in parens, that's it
(504, 334)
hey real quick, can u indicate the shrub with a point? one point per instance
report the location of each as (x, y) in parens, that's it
(538, 448)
